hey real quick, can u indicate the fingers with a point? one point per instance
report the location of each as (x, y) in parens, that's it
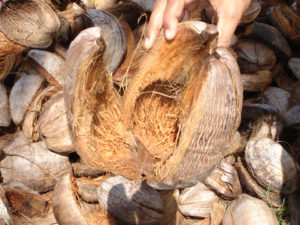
(155, 23)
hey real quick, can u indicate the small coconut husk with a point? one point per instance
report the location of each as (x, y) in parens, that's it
(53, 64)
(68, 208)
(32, 23)
(257, 82)
(197, 201)
(271, 166)
(294, 65)
(163, 108)
(81, 169)
(33, 165)
(53, 127)
(246, 210)
(29, 125)
(93, 109)
(254, 56)
(5, 118)
(23, 93)
(253, 188)
(277, 97)
(292, 116)
(28, 204)
(287, 21)
(113, 35)
(130, 202)
(271, 36)
(225, 181)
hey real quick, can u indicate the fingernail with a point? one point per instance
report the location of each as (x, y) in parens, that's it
(147, 43)
(169, 34)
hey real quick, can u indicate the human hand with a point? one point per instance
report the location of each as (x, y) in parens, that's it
(167, 13)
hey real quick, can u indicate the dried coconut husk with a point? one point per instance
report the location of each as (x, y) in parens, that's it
(23, 92)
(131, 202)
(251, 186)
(103, 4)
(52, 64)
(33, 165)
(197, 201)
(5, 118)
(271, 36)
(287, 21)
(28, 204)
(81, 169)
(237, 145)
(252, 112)
(254, 56)
(53, 126)
(294, 65)
(225, 181)
(283, 79)
(29, 125)
(246, 210)
(163, 108)
(5, 217)
(68, 208)
(257, 82)
(113, 36)
(277, 97)
(16, 140)
(94, 114)
(32, 23)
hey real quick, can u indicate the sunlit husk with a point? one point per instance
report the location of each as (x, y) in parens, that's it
(33, 165)
(113, 35)
(254, 56)
(271, 166)
(130, 202)
(29, 125)
(53, 127)
(246, 210)
(81, 169)
(277, 97)
(287, 21)
(4, 108)
(32, 23)
(87, 188)
(256, 82)
(94, 114)
(53, 64)
(225, 181)
(23, 93)
(69, 209)
(197, 201)
(294, 65)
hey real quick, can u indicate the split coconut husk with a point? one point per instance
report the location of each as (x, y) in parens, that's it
(31, 23)
(184, 147)
(176, 146)
(5, 118)
(53, 127)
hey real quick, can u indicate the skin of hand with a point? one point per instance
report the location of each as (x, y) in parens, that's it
(167, 13)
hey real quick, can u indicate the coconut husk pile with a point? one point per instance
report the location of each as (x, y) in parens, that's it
(94, 129)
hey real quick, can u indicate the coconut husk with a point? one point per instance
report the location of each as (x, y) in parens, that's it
(283, 79)
(53, 64)
(29, 125)
(247, 210)
(130, 202)
(257, 82)
(294, 65)
(32, 23)
(254, 56)
(292, 116)
(81, 169)
(5, 118)
(33, 165)
(163, 109)
(53, 127)
(69, 209)
(94, 113)
(23, 93)
(197, 201)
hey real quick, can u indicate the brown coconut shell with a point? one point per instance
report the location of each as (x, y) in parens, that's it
(31, 23)
(163, 109)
